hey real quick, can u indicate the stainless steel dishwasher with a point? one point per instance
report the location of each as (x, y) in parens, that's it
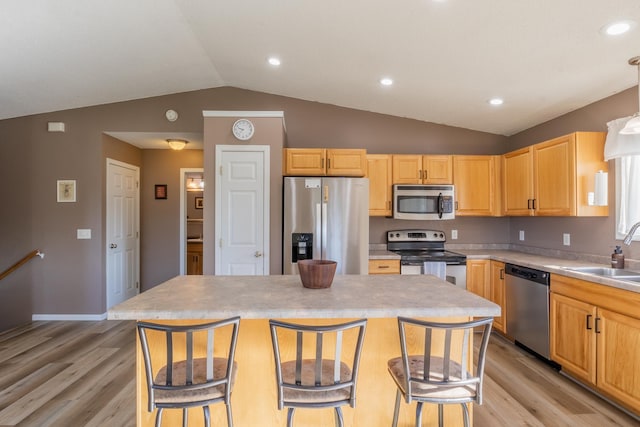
(527, 301)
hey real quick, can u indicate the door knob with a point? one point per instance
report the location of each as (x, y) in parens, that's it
(113, 246)
(258, 254)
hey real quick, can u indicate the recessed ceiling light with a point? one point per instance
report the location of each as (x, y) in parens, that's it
(274, 61)
(496, 101)
(386, 81)
(617, 28)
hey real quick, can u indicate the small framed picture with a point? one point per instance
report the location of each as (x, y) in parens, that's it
(66, 189)
(161, 191)
(199, 202)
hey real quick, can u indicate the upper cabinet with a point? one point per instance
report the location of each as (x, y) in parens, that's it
(553, 178)
(477, 185)
(422, 169)
(324, 161)
(380, 184)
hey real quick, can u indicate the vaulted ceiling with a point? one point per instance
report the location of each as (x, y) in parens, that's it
(447, 58)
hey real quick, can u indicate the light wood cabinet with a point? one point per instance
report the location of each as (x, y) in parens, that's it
(595, 336)
(478, 276)
(422, 169)
(477, 183)
(384, 266)
(379, 172)
(194, 258)
(324, 161)
(553, 178)
(497, 294)
(485, 278)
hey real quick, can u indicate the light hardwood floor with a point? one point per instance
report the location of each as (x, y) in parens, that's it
(82, 374)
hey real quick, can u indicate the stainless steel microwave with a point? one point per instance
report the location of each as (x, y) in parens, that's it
(423, 202)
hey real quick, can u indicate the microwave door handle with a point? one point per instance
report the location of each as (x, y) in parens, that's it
(440, 205)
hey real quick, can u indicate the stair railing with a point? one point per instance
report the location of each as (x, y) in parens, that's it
(20, 263)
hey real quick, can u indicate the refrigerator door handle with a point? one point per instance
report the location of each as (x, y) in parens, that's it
(325, 194)
(318, 243)
(324, 231)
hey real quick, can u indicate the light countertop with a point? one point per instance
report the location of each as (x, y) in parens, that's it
(550, 264)
(261, 297)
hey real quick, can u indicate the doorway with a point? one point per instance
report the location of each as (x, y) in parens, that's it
(242, 207)
(122, 232)
(191, 220)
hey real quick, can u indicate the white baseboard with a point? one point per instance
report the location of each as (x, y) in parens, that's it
(70, 317)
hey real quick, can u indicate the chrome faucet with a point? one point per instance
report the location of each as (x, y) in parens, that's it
(629, 236)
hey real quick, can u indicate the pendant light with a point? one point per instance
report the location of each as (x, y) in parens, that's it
(633, 125)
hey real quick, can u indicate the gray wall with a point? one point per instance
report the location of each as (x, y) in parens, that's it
(70, 279)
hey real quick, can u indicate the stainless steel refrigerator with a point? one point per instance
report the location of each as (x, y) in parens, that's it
(326, 218)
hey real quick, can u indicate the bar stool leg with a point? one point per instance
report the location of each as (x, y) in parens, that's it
(419, 414)
(159, 417)
(396, 410)
(339, 420)
(207, 416)
(185, 417)
(440, 415)
(229, 417)
(465, 414)
(290, 417)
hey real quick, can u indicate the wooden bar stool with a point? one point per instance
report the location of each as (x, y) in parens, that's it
(439, 376)
(322, 378)
(186, 373)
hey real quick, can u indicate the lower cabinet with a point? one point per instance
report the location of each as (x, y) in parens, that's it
(486, 279)
(194, 258)
(384, 266)
(595, 336)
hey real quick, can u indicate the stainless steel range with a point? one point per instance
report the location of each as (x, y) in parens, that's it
(423, 252)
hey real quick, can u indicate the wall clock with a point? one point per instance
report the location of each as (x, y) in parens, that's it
(243, 129)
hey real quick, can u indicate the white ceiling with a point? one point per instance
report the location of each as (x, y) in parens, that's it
(447, 57)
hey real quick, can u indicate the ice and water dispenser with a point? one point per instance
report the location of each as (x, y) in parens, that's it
(302, 246)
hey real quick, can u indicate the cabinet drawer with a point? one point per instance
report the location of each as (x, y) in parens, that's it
(384, 266)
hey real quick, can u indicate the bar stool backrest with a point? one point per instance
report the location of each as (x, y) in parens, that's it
(169, 347)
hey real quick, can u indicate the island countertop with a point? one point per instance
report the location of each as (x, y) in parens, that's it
(262, 297)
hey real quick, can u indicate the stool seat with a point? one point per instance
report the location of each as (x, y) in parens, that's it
(308, 379)
(201, 393)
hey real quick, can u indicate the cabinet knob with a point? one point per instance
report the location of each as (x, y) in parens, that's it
(258, 254)
(113, 246)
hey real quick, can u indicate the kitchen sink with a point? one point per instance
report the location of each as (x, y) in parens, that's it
(616, 273)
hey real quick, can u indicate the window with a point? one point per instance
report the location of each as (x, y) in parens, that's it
(627, 194)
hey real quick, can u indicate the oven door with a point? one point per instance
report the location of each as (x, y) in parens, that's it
(456, 274)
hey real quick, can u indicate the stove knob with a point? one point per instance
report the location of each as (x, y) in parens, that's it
(435, 234)
(397, 234)
(441, 235)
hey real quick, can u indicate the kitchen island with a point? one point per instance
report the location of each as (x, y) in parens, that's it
(192, 299)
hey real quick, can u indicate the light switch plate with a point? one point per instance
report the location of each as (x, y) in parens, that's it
(566, 239)
(83, 233)
(454, 234)
(521, 236)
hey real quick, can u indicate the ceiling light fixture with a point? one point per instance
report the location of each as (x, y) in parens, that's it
(633, 125)
(496, 101)
(274, 61)
(386, 81)
(177, 144)
(617, 28)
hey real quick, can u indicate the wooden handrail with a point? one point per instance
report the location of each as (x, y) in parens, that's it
(20, 263)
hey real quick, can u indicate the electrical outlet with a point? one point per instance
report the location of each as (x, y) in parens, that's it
(454, 234)
(566, 239)
(521, 237)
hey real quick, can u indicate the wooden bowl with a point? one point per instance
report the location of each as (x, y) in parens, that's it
(317, 273)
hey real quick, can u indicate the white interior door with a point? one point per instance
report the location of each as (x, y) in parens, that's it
(242, 210)
(122, 238)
